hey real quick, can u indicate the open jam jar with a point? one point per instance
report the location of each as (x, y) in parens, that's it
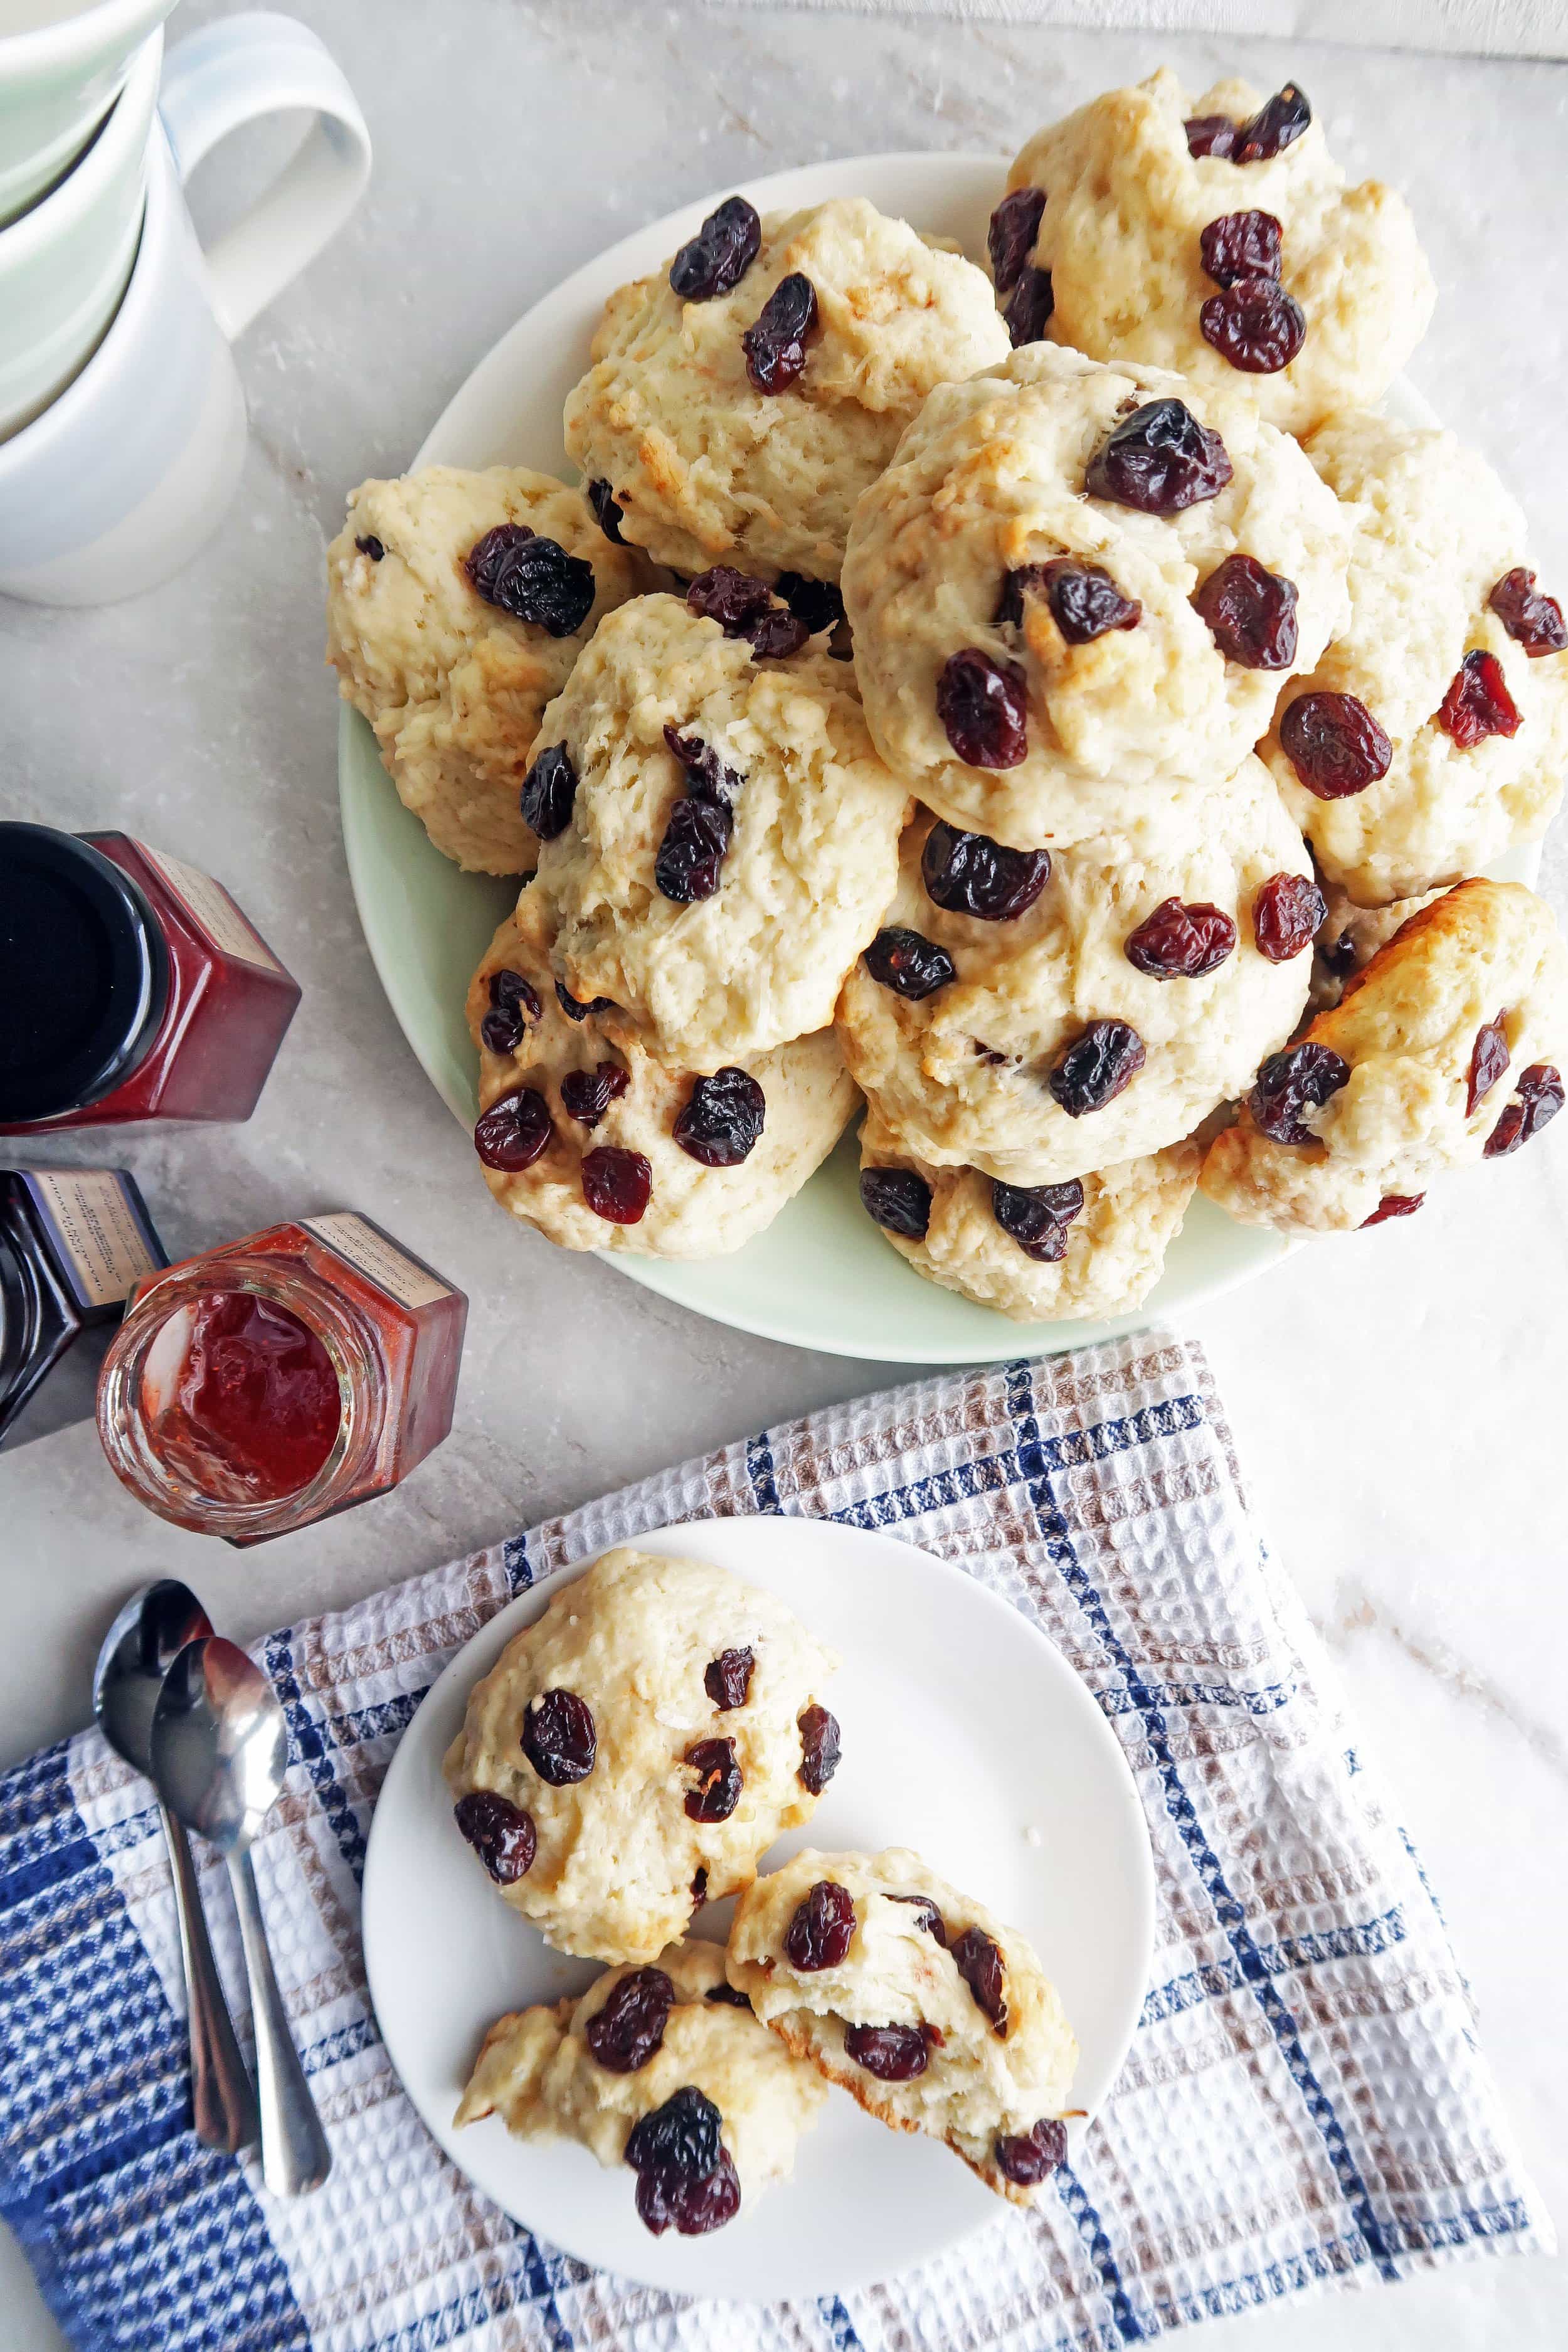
(280, 1378)
(133, 987)
(74, 1242)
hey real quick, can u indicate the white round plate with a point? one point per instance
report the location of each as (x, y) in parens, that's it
(821, 1276)
(966, 1735)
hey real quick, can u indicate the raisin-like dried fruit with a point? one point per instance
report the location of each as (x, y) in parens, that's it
(776, 345)
(1211, 134)
(819, 603)
(970, 874)
(1029, 307)
(1250, 612)
(899, 1199)
(627, 2030)
(1102, 1060)
(501, 1833)
(1180, 942)
(549, 790)
(690, 857)
(370, 545)
(979, 1963)
(588, 1093)
(894, 2053)
(699, 1888)
(1334, 744)
(820, 1748)
(1254, 325)
(1539, 1100)
(1085, 601)
(1532, 618)
(1478, 703)
(732, 598)
(720, 1780)
(1278, 125)
(1300, 1078)
(1036, 1216)
(681, 2136)
(1394, 1204)
(728, 1678)
(1489, 1058)
(532, 579)
(515, 1129)
(559, 1738)
(1010, 238)
(823, 1928)
(1027, 2157)
(931, 1919)
(1285, 916)
(909, 963)
(722, 1118)
(984, 705)
(707, 777)
(776, 634)
(1159, 461)
(695, 2207)
(728, 1994)
(616, 1184)
(1241, 245)
(514, 1007)
(721, 252)
(608, 512)
(574, 1008)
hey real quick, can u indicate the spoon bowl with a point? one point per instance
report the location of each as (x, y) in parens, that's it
(138, 1650)
(219, 1743)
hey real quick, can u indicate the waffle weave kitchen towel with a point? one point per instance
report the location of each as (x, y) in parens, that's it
(1304, 2103)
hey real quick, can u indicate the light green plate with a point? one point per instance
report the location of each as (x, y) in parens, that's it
(821, 1276)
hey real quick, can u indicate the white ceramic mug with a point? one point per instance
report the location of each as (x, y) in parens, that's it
(65, 263)
(115, 487)
(61, 65)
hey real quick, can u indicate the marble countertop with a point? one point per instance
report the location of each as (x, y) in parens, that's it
(1398, 1400)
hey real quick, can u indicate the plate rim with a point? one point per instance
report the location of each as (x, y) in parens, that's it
(1253, 1250)
(526, 1607)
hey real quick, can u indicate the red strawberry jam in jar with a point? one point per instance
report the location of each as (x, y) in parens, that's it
(280, 1378)
(133, 987)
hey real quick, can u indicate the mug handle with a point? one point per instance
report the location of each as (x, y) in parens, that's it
(242, 66)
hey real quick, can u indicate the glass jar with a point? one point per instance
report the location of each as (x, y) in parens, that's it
(74, 1242)
(280, 1379)
(133, 987)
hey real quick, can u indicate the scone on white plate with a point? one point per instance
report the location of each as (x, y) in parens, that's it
(601, 1146)
(637, 1747)
(920, 2003)
(1080, 586)
(663, 2068)
(1037, 1017)
(1040, 1254)
(741, 399)
(1433, 734)
(1447, 1048)
(456, 603)
(1216, 235)
(724, 837)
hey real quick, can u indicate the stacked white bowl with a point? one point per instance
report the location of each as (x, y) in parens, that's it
(121, 420)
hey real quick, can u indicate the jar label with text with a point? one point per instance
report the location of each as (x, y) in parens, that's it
(365, 1246)
(213, 910)
(102, 1239)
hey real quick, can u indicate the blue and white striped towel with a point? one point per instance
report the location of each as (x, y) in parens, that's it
(1304, 2103)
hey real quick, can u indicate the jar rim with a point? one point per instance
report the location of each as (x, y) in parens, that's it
(110, 961)
(351, 1342)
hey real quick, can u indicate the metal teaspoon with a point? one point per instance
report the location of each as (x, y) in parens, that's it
(138, 1650)
(220, 1749)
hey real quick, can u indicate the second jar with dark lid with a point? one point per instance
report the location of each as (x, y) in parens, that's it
(133, 987)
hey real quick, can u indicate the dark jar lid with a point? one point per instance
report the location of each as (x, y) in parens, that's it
(84, 974)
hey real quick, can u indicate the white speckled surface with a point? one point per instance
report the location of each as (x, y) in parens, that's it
(1398, 1398)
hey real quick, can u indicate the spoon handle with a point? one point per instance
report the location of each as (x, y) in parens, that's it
(221, 2094)
(295, 2156)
